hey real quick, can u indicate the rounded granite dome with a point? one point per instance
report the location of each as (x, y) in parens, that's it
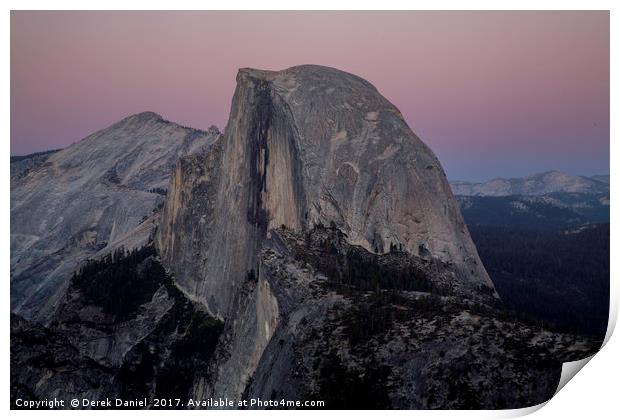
(314, 145)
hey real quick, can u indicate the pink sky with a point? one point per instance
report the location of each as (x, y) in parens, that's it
(492, 93)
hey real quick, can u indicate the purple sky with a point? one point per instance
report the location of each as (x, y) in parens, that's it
(492, 93)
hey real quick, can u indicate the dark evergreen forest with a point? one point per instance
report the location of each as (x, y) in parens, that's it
(560, 277)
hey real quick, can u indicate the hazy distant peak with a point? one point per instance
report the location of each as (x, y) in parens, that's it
(601, 178)
(554, 173)
(550, 172)
(536, 184)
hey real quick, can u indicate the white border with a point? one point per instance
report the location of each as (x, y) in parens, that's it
(592, 395)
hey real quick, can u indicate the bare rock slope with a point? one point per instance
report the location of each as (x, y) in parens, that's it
(304, 146)
(81, 199)
(21, 165)
(324, 236)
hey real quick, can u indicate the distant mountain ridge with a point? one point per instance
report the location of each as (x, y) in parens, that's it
(601, 178)
(547, 200)
(536, 184)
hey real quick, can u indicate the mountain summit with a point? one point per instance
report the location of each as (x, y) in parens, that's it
(317, 174)
(305, 146)
(72, 203)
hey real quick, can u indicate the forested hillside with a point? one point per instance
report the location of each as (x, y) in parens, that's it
(560, 277)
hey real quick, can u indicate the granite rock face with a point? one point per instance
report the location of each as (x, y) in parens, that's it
(312, 252)
(327, 320)
(305, 146)
(405, 346)
(22, 165)
(122, 331)
(83, 198)
(322, 320)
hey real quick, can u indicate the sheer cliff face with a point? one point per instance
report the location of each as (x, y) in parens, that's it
(87, 197)
(318, 227)
(304, 146)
